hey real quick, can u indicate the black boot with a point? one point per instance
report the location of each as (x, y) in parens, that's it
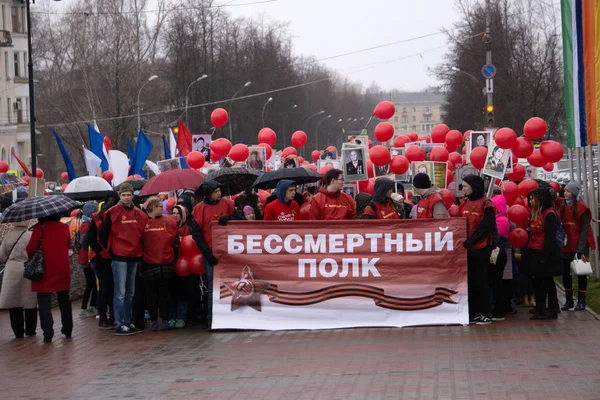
(581, 301)
(569, 303)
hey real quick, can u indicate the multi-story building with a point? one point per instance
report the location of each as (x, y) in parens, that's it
(416, 112)
(14, 87)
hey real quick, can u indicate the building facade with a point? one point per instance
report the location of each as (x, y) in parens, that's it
(416, 112)
(14, 87)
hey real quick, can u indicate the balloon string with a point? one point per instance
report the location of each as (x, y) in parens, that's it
(367, 124)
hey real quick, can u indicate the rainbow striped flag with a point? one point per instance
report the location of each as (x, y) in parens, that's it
(581, 56)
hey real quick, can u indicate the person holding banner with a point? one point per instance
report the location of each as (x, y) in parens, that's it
(382, 206)
(214, 207)
(575, 216)
(432, 203)
(284, 208)
(481, 229)
(331, 203)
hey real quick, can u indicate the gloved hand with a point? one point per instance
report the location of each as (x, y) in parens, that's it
(208, 254)
(223, 220)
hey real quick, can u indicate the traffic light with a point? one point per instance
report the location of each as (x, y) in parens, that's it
(490, 115)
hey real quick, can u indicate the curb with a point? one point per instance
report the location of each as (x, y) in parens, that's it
(587, 309)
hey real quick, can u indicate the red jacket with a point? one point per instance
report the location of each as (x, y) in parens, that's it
(183, 231)
(332, 206)
(82, 257)
(204, 214)
(157, 242)
(278, 211)
(473, 211)
(104, 253)
(382, 211)
(538, 233)
(55, 248)
(126, 230)
(425, 206)
(572, 227)
(304, 211)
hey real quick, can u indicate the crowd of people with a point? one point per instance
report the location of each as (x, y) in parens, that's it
(127, 248)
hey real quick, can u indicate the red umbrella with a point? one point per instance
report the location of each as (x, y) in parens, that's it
(173, 179)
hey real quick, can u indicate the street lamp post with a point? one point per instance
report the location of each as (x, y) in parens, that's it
(477, 83)
(231, 108)
(153, 77)
(263, 111)
(308, 119)
(186, 96)
(317, 130)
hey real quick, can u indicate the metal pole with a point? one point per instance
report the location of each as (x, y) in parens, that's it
(586, 179)
(570, 159)
(317, 130)
(488, 49)
(593, 205)
(578, 163)
(31, 93)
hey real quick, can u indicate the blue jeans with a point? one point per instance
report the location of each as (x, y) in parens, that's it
(124, 287)
(209, 283)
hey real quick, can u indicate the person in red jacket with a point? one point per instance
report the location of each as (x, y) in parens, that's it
(576, 217)
(382, 206)
(158, 241)
(431, 204)
(481, 227)
(83, 261)
(214, 207)
(121, 234)
(180, 214)
(55, 240)
(284, 208)
(331, 203)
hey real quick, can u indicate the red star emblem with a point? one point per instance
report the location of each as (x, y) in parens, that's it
(246, 291)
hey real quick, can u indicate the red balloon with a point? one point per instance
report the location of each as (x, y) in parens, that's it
(535, 128)
(518, 173)
(288, 152)
(527, 186)
(455, 158)
(438, 154)
(183, 267)
(268, 136)
(331, 148)
(324, 169)
(523, 148)
(384, 131)
(219, 117)
(315, 155)
(449, 177)
(64, 176)
(370, 169)
(171, 202)
(536, 159)
(551, 151)
(367, 186)
(3, 167)
(39, 173)
(448, 198)
(380, 155)
(413, 136)
(239, 152)
(454, 139)
(214, 156)
(311, 166)
(555, 186)
(195, 160)
(220, 147)
(518, 214)
(549, 167)
(384, 110)
(300, 160)
(268, 150)
(299, 139)
(197, 264)
(505, 138)
(478, 156)
(370, 144)
(400, 141)
(414, 154)
(425, 139)
(62, 188)
(510, 190)
(521, 201)
(399, 165)
(454, 211)
(188, 246)
(439, 132)
(108, 176)
(518, 238)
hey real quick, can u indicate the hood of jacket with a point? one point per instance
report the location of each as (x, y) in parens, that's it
(544, 196)
(382, 186)
(362, 201)
(208, 187)
(183, 212)
(500, 202)
(431, 191)
(282, 187)
(476, 183)
(88, 209)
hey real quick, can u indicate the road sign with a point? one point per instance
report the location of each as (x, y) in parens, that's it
(488, 71)
(364, 132)
(489, 85)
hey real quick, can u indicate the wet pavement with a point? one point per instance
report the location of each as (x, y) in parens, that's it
(513, 360)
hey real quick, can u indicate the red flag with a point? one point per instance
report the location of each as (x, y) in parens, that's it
(21, 163)
(184, 139)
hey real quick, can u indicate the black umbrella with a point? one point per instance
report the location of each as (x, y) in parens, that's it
(233, 180)
(37, 207)
(137, 184)
(301, 176)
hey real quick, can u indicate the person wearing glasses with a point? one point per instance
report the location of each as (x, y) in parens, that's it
(331, 203)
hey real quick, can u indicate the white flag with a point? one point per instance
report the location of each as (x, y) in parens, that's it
(92, 162)
(119, 166)
(172, 144)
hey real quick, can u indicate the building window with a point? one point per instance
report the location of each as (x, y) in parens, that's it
(414, 118)
(404, 119)
(414, 110)
(395, 119)
(404, 110)
(13, 162)
(414, 128)
(4, 17)
(427, 117)
(427, 109)
(8, 110)
(16, 20)
(17, 64)
(21, 150)
(25, 71)
(6, 65)
(18, 110)
(3, 156)
(23, 20)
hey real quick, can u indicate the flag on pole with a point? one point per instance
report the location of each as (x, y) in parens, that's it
(184, 139)
(130, 150)
(21, 163)
(65, 155)
(581, 59)
(97, 147)
(166, 148)
(92, 162)
(143, 148)
(106, 143)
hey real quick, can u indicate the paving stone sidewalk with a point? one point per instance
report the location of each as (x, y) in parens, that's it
(515, 359)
